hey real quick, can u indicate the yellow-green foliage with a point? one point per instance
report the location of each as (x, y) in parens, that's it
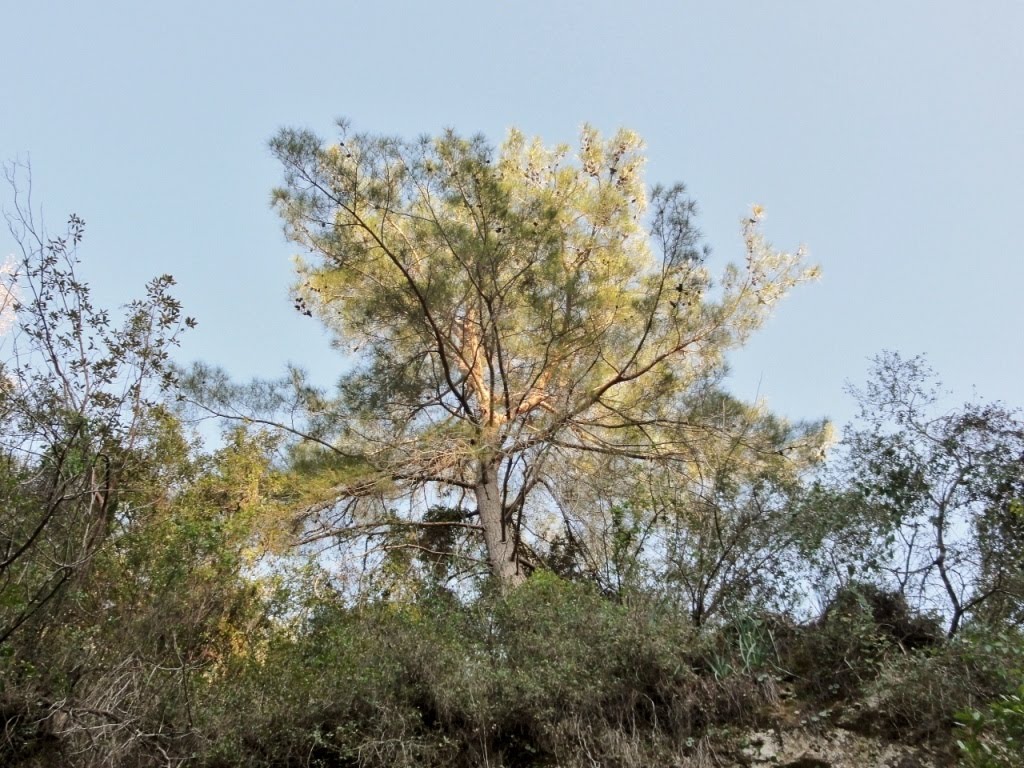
(509, 304)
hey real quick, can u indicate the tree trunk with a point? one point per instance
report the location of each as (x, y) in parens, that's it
(499, 538)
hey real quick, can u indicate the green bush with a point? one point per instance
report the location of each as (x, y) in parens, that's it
(556, 674)
(544, 676)
(920, 695)
(355, 688)
(838, 656)
(995, 736)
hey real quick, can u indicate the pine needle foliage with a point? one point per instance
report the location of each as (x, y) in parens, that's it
(513, 310)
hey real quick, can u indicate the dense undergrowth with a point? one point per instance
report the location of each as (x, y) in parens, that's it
(553, 675)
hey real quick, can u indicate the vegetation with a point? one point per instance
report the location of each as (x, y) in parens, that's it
(530, 528)
(520, 331)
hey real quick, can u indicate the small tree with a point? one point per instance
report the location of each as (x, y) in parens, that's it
(514, 311)
(946, 490)
(731, 535)
(737, 537)
(76, 395)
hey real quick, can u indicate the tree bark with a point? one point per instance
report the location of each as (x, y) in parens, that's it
(499, 535)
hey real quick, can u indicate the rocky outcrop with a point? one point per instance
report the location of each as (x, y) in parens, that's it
(824, 748)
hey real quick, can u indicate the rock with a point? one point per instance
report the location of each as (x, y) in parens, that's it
(823, 748)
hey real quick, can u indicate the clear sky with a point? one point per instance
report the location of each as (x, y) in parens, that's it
(886, 136)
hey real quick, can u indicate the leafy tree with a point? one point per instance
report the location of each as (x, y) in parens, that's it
(77, 393)
(735, 534)
(515, 311)
(737, 537)
(945, 489)
(123, 552)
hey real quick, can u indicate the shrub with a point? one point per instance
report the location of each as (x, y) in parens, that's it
(995, 736)
(836, 657)
(920, 695)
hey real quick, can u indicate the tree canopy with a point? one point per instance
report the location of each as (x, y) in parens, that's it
(513, 311)
(944, 490)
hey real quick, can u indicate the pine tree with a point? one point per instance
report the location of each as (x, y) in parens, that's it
(512, 311)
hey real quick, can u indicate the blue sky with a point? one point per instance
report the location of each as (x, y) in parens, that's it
(886, 136)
